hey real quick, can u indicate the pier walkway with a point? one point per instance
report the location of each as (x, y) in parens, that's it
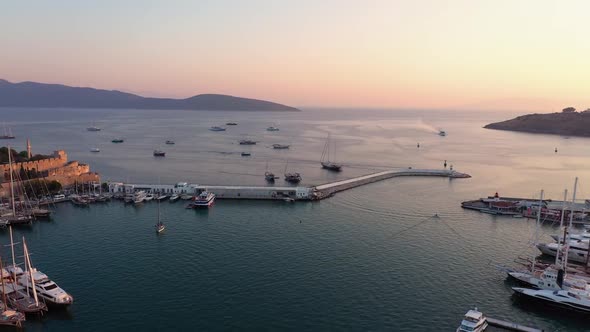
(278, 193)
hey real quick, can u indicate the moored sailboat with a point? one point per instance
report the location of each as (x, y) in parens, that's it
(325, 159)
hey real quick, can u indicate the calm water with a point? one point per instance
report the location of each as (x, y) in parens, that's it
(371, 258)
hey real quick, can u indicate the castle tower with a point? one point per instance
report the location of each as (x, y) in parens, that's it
(29, 153)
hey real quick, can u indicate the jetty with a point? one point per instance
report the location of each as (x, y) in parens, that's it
(302, 193)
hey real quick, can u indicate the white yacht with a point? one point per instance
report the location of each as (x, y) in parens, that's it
(548, 279)
(577, 250)
(47, 289)
(205, 199)
(174, 198)
(95, 150)
(474, 321)
(562, 298)
(139, 197)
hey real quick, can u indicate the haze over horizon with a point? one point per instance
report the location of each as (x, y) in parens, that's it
(529, 55)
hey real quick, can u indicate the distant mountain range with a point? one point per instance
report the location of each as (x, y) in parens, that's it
(32, 94)
(567, 123)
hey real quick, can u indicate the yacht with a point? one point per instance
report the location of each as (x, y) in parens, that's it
(170, 142)
(205, 199)
(561, 298)
(47, 289)
(139, 197)
(216, 128)
(247, 142)
(280, 146)
(174, 198)
(162, 197)
(118, 140)
(474, 321)
(577, 250)
(95, 150)
(186, 197)
(159, 153)
(93, 128)
(149, 197)
(271, 128)
(442, 133)
(548, 279)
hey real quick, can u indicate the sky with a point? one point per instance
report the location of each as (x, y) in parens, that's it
(502, 54)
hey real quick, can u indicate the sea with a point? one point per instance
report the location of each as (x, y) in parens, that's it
(368, 259)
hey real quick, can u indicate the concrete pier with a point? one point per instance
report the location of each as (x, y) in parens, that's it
(278, 193)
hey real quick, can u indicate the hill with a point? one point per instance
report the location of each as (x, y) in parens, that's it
(567, 123)
(32, 94)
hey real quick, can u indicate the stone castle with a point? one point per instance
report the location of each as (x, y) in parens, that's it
(57, 168)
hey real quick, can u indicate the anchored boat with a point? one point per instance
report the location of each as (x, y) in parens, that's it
(325, 159)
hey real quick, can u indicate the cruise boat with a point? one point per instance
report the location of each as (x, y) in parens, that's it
(474, 321)
(45, 288)
(280, 146)
(170, 142)
(271, 128)
(442, 133)
(216, 128)
(561, 298)
(118, 140)
(205, 199)
(159, 153)
(95, 150)
(247, 142)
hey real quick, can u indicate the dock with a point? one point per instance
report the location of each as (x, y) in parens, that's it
(510, 326)
(304, 193)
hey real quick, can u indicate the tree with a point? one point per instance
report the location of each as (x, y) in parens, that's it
(569, 110)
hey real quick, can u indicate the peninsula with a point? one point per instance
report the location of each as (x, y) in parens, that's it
(569, 122)
(32, 94)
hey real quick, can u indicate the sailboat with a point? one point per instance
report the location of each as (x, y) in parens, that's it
(268, 175)
(7, 133)
(160, 227)
(20, 300)
(15, 218)
(325, 159)
(9, 316)
(292, 177)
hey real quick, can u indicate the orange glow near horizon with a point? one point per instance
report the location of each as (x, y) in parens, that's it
(423, 54)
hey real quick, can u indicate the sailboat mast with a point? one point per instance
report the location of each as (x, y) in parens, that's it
(11, 181)
(537, 224)
(566, 240)
(560, 226)
(30, 268)
(12, 251)
(3, 290)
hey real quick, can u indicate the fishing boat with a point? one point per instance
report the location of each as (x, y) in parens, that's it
(7, 134)
(95, 150)
(325, 159)
(205, 199)
(442, 133)
(231, 124)
(160, 227)
(271, 128)
(174, 198)
(216, 128)
(159, 153)
(247, 142)
(560, 298)
(118, 140)
(170, 142)
(474, 321)
(9, 316)
(246, 154)
(280, 146)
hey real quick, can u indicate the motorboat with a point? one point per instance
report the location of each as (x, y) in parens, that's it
(139, 197)
(247, 142)
(293, 177)
(45, 288)
(118, 140)
(186, 197)
(577, 250)
(562, 298)
(271, 128)
(149, 197)
(246, 154)
(289, 199)
(205, 199)
(442, 133)
(231, 124)
(161, 197)
(93, 128)
(216, 128)
(174, 198)
(95, 150)
(170, 142)
(159, 153)
(474, 321)
(280, 146)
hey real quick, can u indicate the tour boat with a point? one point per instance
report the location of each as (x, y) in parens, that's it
(159, 153)
(325, 158)
(474, 321)
(271, 128)
(280, 146)
(118, 140)
(170, 142)
(95, 150)
(247, 142)
(216, 128)
(561, 298)
(205, 199)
